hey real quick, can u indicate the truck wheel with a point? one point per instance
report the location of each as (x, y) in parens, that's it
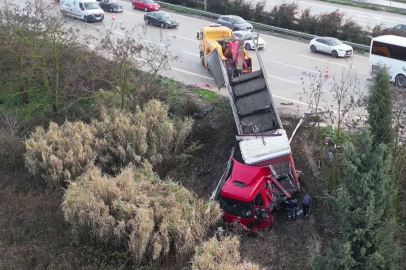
(86, 19)
(202, 60)
(400, 81)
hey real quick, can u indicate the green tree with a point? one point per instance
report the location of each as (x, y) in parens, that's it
(379, 107)
(364, 210)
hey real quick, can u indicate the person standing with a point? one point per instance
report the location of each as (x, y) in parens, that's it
(306, 204)
(291, 207)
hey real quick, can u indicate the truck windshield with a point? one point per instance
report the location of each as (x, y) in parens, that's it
(236, 208)
(89, 6)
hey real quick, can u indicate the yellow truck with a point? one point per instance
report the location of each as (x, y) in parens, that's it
(229, 48)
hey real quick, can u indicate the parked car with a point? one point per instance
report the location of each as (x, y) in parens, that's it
(146, 5)
(111, 5)
(235, 23)
(250, 39)
(331, 46)
(399, 30)
(160, 18)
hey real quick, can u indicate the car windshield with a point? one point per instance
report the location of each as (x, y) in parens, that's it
(335, 42)
(238, 19)
(247, 35)
(149, 1)
(166, 16)
(89, 6)
(113, 1)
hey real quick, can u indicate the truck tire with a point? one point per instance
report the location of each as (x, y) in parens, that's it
(400, 81)
(202, 60)
(86, 19)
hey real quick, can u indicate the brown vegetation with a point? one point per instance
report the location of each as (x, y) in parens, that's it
(224, 254)
(150, 217)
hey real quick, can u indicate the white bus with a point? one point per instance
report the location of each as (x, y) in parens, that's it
(389, 51)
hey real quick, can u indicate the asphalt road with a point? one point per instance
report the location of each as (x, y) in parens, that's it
(364, 17)
(285, 59)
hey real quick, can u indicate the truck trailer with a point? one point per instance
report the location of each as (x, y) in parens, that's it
(249, 190)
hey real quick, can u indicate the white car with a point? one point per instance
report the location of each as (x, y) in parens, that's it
(331, 46)
(250, 39)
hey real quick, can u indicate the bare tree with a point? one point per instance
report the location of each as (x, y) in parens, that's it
(314, 93)
(347, 96)
(131, 54)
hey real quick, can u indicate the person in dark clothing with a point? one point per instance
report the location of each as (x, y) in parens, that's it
(291, 207)
(306, 204)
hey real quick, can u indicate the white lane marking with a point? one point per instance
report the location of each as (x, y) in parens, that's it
(182, 37)
(292, 66)
(120, 33)
(111, 18)
(283, 79)
(291, 100)
(194, 54)
(325, 61)
(187, 72)
(149, 41)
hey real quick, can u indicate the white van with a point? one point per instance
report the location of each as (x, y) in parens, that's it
(87, 10)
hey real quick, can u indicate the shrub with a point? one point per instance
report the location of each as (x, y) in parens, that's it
(352, 31)
(284, 15)
(224, 254)
(329, 24)
(61, 153)
(151, 218)
(148, 133)
(308, 22)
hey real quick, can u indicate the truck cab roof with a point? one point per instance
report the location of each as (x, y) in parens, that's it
(244, 182)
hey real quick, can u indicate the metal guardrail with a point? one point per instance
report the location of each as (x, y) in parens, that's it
(261, 26)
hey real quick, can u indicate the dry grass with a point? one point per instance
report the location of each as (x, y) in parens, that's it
(135, 209)
(62, 153)
(220, 255)
(148, 133)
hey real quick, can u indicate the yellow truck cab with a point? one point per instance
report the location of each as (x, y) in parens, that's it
(230, 49)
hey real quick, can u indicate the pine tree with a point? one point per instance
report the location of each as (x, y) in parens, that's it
(379, 107)
(363, 207)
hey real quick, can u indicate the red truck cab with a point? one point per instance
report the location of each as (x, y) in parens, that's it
(246, 197)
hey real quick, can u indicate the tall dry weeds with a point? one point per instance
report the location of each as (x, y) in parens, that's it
(150, 217)
(149, 133)
(61, 153)
(220, 255)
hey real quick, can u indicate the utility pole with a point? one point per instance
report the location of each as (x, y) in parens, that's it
(205, 5)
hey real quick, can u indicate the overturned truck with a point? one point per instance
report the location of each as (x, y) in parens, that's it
(250, 189)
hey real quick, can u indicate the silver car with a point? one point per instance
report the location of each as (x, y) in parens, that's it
(331, 46)
(235, 23)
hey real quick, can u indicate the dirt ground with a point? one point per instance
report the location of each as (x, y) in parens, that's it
(289, 245)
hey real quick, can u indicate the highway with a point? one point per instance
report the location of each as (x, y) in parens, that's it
(364, 17)
(285, 59)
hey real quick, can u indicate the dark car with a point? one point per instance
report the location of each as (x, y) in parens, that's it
(111, 5)
(160, 18)
(399, 30)
(235, 23)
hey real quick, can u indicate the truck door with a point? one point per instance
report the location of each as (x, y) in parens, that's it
(262, 212)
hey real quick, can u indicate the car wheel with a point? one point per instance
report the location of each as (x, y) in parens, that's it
(236, 29)
(111, 10)
(313, 49)
(145, 9)
(400, 81)
(163, 25)
(134, 6)
(247, 46)
(86, 19)
(334, 54)
(146, 21)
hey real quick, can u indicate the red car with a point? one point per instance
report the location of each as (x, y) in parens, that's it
(146, 5)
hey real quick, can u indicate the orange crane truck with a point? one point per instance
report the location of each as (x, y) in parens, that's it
(266, 176)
